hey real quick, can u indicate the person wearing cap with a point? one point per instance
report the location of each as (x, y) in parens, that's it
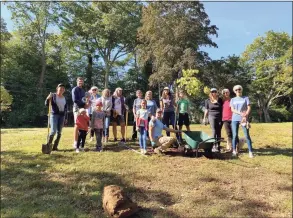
(97, 124)
(159, 142)
(240, 106)
(94, 96)
(106, 100)
(58, 114)
(118, 109)
(79, 101)
(213, 109)
(227, 117)
(82, 125)
(167, 105)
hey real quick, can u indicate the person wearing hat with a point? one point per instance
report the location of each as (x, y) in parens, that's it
(97, 124)
(118, 110)
(240, 106)
(213, 109)
(158, 141)
(94, 96)
(167, 105)
(58, 114)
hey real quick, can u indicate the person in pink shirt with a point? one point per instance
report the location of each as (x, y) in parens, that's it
(227, 117)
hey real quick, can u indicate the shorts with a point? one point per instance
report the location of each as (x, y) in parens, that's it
(119, 119)
(183, 119)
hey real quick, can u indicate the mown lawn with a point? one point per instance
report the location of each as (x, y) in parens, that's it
(66, 184)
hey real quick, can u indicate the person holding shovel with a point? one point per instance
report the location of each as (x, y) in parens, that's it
(58, 114)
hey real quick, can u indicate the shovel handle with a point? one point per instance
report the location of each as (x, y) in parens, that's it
(49, 112)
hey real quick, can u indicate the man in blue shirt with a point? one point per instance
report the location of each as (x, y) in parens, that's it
(79, 101)
(157, 139)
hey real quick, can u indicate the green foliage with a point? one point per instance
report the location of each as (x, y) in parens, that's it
(170, 37)
(280, 114)
(6, 99)
(189, 82)
(269, 61)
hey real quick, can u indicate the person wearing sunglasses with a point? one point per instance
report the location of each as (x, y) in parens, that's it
(227, 117)
(213, 109)
(240, 106)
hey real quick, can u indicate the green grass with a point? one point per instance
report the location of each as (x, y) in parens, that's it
(66, 184)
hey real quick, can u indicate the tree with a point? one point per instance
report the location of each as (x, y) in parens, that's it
(34, 20)
(107, 29)
(224, 73)
(6, 99)
(5, 36)
(171, 36)
(269, 61)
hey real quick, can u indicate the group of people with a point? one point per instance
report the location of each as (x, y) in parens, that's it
(231, 113)
(94, 113)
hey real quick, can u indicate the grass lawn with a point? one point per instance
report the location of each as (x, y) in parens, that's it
(66, 184)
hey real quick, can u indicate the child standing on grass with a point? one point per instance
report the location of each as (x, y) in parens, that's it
(97, 124)
(142, 116)
(82, 124)
(184, 110)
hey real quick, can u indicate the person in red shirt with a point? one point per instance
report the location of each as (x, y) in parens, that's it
(227, 117)
(82, 124)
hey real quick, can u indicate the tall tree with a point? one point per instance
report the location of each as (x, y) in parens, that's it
(4, 37)
(108, 29)
(269, 59)
(33, 20)
(171, 36)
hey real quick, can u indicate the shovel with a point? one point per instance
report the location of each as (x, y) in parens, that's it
(47, 148)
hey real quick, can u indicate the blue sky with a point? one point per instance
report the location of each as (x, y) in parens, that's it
(239, 23)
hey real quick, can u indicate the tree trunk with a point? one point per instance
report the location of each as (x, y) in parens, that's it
(266, 114)
(107, 71)
(89, 71)
(41, 81)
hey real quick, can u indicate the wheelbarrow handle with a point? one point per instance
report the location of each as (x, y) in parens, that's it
(210, 139)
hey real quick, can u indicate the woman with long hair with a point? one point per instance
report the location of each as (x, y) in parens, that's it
(106, 100)
(227, 117)
(93, 101)
(167, 105)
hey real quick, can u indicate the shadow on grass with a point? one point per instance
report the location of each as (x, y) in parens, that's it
(29, 187)
(272, 151)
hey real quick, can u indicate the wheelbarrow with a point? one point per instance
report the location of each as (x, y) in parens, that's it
(196, 140)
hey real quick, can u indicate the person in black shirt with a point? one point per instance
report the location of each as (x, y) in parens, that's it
(213, 109)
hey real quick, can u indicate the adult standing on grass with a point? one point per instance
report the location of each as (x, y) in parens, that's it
(79, 101)
(240, 106)
(157, 139)
(118, 110)
(183, 108)
(106, 100)
(151, 105)
(213, 109)
(168, 107)
(93, 101)
(58, 114)
(136, 107)
(227, 117)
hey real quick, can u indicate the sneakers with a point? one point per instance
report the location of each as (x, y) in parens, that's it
(77, 150)
(122, 140)
(115, 140)
(251, 155)
(234, 154)
(74, 145)
(215, 149)
(145, 151)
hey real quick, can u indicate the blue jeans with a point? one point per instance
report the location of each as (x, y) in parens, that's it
(106, 126)
(235, 139)
(142, 137)
(56, 122)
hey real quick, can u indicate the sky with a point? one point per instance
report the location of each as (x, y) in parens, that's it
(239, 23)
